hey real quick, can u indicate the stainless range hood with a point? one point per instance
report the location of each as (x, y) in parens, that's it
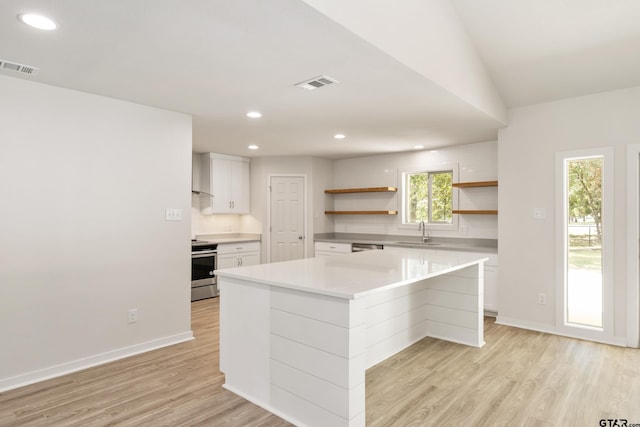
(201, 193)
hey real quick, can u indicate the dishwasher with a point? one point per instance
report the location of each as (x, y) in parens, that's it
(361, 247)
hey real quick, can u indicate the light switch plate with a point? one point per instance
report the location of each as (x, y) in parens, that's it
(539, 213)
(173, 214)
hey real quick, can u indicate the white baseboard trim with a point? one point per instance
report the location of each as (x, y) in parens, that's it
(91, 361)
(547, 329)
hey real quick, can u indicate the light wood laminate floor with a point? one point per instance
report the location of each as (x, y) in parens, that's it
(520, 378)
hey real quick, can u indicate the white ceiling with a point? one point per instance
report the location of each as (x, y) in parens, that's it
(542, 50)
(218, 59)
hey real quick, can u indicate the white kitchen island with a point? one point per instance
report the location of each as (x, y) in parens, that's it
(296, 337)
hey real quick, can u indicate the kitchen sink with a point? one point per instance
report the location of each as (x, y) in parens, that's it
(419, 243)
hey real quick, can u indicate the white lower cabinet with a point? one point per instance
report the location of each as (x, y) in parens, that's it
(491, 288)
(329, 249)
(238, 254)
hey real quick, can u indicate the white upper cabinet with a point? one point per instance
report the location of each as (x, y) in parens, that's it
(227, 179)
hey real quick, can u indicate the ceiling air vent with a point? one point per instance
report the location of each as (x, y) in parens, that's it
(18, 68)
(316, 82)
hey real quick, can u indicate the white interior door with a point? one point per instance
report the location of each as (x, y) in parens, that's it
(287, 218)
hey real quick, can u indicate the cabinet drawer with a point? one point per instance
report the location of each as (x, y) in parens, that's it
(239, 247)
(333, 247)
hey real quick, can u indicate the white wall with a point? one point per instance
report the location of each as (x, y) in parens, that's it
(527, 149)
(476, 162)
(213, 224)
(84, 183)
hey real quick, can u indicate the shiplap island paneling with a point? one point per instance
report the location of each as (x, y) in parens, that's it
(297, 337)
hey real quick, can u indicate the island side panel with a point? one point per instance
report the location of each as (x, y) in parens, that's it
(317, 358)
(447, 307)
(395, 319)
(244, 338)
(456, 307)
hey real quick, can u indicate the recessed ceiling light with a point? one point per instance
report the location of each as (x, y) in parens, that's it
(253, 147)
(254, 114)
(418, 147)
(339, 136)
(37, 21)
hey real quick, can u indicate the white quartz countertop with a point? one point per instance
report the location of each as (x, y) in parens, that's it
(454, 244)
(354, 275)
(228, 238)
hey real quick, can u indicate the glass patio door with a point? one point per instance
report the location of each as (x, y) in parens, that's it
(584, 241)
(585, 236)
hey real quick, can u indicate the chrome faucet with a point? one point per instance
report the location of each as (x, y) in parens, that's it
(425, 238)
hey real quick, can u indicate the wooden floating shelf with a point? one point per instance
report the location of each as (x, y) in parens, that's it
(475, 184)
(361, 212)
(475, 212)
(363, 190)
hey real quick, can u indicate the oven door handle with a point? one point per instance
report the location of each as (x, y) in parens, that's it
(203, 254)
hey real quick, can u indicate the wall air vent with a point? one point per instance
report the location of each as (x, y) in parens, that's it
(18, 68)
(316, 82)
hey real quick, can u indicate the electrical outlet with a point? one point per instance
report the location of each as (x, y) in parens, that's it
(542, 298)
(464, 230)
(132, 315)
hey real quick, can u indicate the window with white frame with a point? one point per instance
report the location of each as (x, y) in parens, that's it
(427, 195)
(585, 241)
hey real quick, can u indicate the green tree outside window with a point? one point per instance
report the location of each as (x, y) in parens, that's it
(585, 192)
(429, 197)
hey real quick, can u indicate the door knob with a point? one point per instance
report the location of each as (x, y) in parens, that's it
(301, 237)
